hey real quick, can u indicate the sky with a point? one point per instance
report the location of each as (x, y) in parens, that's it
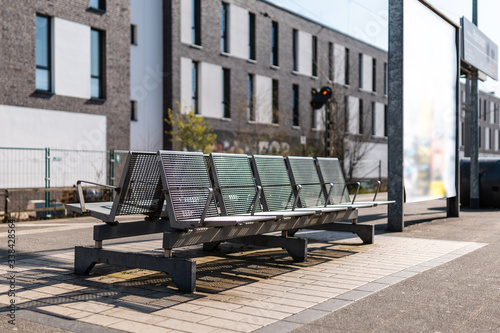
(367, 20)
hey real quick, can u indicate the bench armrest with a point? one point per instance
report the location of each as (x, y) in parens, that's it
(81, 197)
(358, 185)
(376, 191)
(299, 188)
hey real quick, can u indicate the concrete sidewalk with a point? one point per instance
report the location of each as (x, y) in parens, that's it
(439, 275)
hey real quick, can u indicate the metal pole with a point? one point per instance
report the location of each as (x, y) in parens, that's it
(468, 117)
(474, 124)
(395, 117)
(111, 180)
(47, 182)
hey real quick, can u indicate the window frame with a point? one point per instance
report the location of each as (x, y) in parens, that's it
(224, 41)
(101, 64)
(226, 93)
(347, 65)
(361, 117)
(196, 22)
(48, 67)
(295, 106)
(374, 75)
(195, 91)
(275, 101)
(252, 30)
(275, 43)
(133, 34)
(295, 50)
(133, 111)
(330, 62)
(314, 56)
(360, 70)
(250, 97)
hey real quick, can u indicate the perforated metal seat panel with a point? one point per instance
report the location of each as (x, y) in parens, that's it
(273, 177)
(140, 191)
(234, 179)
(187, 182)
(304, 173)
(331, 172)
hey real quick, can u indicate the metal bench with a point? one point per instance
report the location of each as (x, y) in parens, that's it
(335, 186)
(297, 177)
(139, 191)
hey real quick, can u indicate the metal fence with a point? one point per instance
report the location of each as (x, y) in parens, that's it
(36, 182)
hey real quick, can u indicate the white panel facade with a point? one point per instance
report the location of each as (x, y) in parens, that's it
(367, 73)
(186, 20)
(263, 99)
(353, 116)
(305, 53)
(186, 84)
(339, 63)
(239, 32)
(492, 112)
(373, 162)
(379, 119)
(146, 81)
(497, 147)
(210, 86)
(487, 138)
(71, 58)
(319, 118)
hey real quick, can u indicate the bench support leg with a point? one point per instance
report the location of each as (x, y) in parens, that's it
(296, 247)
(364, 231)
(211, 246)
(182, 271)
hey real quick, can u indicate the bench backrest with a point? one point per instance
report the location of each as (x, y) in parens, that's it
(186, 184)
(140, 190)
(271, 174)
(234, 182)
(303, 172)
(331, 173)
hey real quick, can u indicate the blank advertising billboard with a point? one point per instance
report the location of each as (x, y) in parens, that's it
(430, 101)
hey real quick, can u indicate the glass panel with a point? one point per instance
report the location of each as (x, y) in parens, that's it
(42, 79)
(95, 87)
(95, 61)
(42, 41)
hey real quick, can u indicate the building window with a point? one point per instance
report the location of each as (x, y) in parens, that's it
(98, 4)
(479, 141)
(133, 110)
(43, 54)
(374, 120)
(224, 40)
(315, 56)
(250, 98)
(276, 102)
(485, 111)
(385, 121)
(361, 117)
(479, 109)
(275, 44)
(226, 93)
(251, 36)
(374, 75)
(386, 79)
(96, 64)
(330, 61)
(346, 113)
(295, 50)
(346, 67)
(196, 22)
(194, 87)
(133, 34)
(295, 104)
(360, 72)
(462, 136)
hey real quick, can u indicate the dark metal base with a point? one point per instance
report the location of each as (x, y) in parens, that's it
(364, 231)
(296, 247)
(182, 271)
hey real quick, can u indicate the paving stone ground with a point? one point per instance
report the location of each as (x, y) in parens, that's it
(239, 288)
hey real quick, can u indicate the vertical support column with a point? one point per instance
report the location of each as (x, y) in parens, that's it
(111, 177)
(6, 207)
(47, 182)
(453, 203)
(395, 116)
(474, 143)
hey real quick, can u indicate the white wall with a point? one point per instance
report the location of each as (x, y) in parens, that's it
(368, 167)
(38, 128)
(71, 58)
(367, 73)
(263, 99)
(210, 90)
(186, 19)
(319, 116)
(353, 109)
(186, 84)
(339, 64)
(239, 31)
(379, 119)
(305, 53)
(146, 75)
